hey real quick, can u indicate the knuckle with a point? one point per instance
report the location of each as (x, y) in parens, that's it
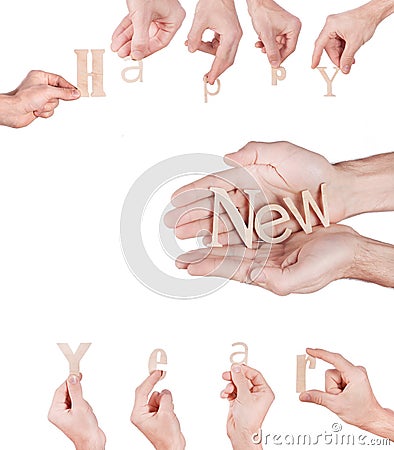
(330, 19)
(279, 289)
(238, 33)
(362, 372)
(297, 23)
(134, 419)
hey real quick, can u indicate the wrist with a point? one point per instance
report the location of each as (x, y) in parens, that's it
(366, 185)
(92, 443)
(7, 110)
(381, 423)
(176, 444)
(245, 439)
(380, 9)
(255, 4)
(373, 261)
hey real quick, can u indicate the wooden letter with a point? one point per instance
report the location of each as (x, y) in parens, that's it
(307, 200)
(157, 361)
(302, 361)
(206, 92)
(139, 77)
(260, 227)
(329, 81)
(245, 354)
(74, 358)
(223, 199)
(278, 74)
(96, 73)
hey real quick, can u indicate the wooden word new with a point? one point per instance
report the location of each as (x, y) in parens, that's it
(97, 72)
(279, 74)
(158, 361)
(223, 200)
(302, 361)
(74, 358)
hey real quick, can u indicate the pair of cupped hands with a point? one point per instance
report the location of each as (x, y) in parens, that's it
(303, 263)
(348, 394)
(151, 25)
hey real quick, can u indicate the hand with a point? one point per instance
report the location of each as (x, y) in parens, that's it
(293, 266)
(155, 416)
(74, 416)
(37, 96)
(278, 170)
(148, 28)
(348, 394)
(250, 398)
(344, 34)
(220, 16)
(277, 29)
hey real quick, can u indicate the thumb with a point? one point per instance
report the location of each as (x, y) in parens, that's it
(347, 58)
(166, 402)
(74, 390)
(318, 397)
(240, 381)
(247, 156)
(272, 51)
(140, 39)
(62, 93)
(304, 276)
(277, 280)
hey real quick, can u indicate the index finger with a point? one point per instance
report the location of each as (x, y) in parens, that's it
(146, 387)
(320, 44)
(337, 360)
(122, 27)
(290, 46)
(225, 56)
(58, 81)
(227, 179)
(60, 395)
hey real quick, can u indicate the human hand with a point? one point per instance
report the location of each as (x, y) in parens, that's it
(278, 169)
(277, 30)
(293, 266)
(250, 398)
(220, 16)
(154, 416)
(348, 394)
(74, 416)
(344, 33)
(37, 96)
(148, 28)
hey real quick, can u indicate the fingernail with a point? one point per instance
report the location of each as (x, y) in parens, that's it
(73, 379)
(137, 55)
(274, 64)
(75, 93)
(306, 398)
(346, 69)
(258, 275)
(237, 369)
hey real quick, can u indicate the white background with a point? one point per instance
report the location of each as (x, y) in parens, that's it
(63, 182)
